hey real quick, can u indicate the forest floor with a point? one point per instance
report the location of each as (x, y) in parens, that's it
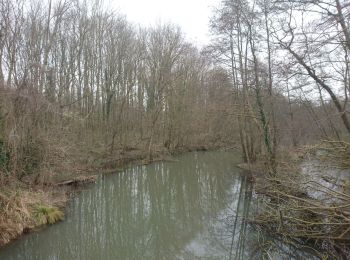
(35, 201)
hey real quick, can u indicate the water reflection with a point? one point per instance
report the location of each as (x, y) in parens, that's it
(190, 209)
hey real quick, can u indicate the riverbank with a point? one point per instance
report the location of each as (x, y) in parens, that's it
(27, 206)
(307, 203)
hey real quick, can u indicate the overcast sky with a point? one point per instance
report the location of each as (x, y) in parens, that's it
(191, 15)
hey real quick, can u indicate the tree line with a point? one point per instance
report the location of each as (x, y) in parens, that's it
(73, 70)
(76, 74)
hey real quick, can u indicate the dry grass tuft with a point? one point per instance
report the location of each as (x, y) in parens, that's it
(48, 215)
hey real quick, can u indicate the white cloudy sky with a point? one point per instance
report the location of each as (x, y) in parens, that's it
(191, 15)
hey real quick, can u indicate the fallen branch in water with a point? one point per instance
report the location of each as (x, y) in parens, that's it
(79, 180)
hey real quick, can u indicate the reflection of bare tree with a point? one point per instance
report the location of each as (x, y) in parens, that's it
(234, 235)
(244, 200)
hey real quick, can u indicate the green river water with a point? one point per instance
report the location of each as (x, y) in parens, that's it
(190, 208)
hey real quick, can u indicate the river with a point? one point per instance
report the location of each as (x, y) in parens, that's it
(190, 208)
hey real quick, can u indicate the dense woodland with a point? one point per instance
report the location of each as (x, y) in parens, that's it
(78, 81)
(75, 71)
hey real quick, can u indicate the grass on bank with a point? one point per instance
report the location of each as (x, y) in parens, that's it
(48, 214)
(22, 210)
